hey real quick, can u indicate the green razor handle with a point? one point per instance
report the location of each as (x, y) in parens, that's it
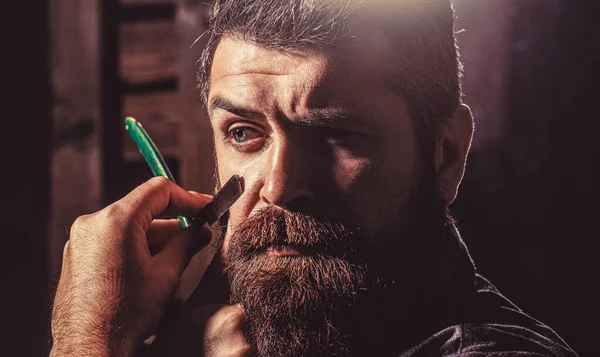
(151, 155)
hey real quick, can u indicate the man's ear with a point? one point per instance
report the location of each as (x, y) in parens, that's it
(451, 151)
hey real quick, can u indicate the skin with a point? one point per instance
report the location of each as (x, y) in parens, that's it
(352, 166)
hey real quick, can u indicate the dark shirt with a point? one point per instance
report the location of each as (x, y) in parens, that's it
(479, 321)
(493, 327)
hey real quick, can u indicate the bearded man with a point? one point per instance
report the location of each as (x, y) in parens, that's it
(345, 120)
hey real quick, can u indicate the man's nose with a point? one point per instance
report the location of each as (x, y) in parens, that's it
(287, 175)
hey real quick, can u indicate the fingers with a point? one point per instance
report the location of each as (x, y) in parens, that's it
(201, 195)
(161, 230)
(159, 196)
(181, 247)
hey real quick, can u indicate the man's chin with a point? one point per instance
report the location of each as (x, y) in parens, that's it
(293, 303)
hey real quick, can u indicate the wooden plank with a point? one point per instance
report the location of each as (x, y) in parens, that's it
(75, 82)
(149, 51)
(160, 115)
(196, 134)
(196, 157)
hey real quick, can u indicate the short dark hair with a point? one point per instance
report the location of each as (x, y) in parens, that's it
(425, 68)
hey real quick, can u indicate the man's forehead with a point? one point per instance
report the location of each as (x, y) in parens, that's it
(365, 51)
(235, 56)
(251, 74)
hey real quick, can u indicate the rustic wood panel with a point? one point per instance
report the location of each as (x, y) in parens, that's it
(75, 82)
(149, 51)
(160, 116)
(196, 136)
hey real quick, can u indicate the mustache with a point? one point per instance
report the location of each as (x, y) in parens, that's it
(313, 234)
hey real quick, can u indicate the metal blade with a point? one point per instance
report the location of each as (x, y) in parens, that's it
(221, 201)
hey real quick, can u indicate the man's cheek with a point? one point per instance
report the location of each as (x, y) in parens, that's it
(349, 169)
(367, 187)
(237, 214)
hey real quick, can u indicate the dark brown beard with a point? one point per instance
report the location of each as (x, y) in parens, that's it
(341, 287)
(291, 303)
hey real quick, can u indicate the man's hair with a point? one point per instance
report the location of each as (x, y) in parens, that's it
(424, 66)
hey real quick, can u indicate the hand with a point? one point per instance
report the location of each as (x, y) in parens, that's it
(223, 332)
(113, 291)
(209, 331)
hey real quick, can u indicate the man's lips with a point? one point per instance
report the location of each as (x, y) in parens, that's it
(285, 250)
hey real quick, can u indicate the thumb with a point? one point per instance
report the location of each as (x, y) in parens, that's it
(179, 250)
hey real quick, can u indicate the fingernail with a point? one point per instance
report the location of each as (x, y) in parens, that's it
(201, 195)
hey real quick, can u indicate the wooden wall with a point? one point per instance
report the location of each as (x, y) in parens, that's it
(118, 58)
(157, 80)
(76, 120)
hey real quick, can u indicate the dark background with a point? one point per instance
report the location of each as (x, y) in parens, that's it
(528, 206)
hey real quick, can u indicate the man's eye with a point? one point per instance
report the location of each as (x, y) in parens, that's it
(241, 135)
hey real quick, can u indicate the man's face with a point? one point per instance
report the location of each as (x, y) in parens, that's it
(332, 178)
(311, 132)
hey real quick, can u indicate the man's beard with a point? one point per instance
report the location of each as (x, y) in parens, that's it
(315, 304)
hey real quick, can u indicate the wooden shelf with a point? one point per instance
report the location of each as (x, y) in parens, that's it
(149, 51)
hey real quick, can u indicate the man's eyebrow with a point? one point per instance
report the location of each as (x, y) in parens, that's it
(333, 117)
(239, 110)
